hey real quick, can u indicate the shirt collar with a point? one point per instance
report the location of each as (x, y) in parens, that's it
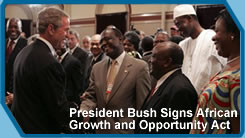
(120, 58)
(15, 41)
(164, 77)
(95, 58)
(63, 56)
(49, 45)
(147, 52)
(73, 49)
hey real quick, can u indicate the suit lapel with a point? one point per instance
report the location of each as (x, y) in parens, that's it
(66, 58)
(122, 74)
(75, 52)
(161, 90)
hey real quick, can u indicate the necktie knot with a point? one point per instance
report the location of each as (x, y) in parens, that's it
(113, 62)
(11, 42)
(59, 58)
(93, 62)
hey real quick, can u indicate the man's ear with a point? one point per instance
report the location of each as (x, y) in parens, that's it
(168, 62)
(121, 40)
(51, 29)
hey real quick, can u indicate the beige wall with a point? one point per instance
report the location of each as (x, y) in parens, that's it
(143, 8)
(88, 11)
(19, 11)
(82, 11)
(84, 30)
(148, 27)
(112, 8)
(85, 11)
(77, 11)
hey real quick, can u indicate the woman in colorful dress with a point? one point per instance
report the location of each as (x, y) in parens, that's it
(218, 108)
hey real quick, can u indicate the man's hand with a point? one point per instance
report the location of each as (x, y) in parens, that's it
(9, 98)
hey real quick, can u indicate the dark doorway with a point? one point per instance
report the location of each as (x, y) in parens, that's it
(207, 13)
(117, 19)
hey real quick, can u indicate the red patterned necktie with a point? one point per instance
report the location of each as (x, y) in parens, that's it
(9, 49)
(152, 92)
(59, 59)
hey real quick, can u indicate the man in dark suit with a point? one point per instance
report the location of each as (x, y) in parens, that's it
(116, 83)
(173, 90)
(78, 53)
(97, 55)
(14, 44)
(40, 104)
(73, 74)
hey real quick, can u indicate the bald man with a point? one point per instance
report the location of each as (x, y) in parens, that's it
(173, 90)
(85, 43)
(116, 83)
(96, 50)
(97, 55)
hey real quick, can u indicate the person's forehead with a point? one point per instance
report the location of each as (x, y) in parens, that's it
(95, 40)
(72, 36)
(161, 49)
(85, 39)
(108, 32)
(65, 21)
(161, 35)
(13, 22)
(181, 18)
(220, 24)
(220, 21)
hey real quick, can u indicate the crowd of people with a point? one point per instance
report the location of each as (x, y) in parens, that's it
(191, 69)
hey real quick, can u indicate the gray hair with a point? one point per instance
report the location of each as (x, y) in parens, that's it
(50, 16)
(18, 23)
(86, 36)
(74, 33)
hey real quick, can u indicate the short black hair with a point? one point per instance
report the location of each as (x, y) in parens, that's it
(133, 38)
(117, 32)
(176, 39)
(147, 43)
(229, 23)
(176, 53)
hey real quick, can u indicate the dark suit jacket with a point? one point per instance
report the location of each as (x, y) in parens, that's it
(82, 56)
(21, 43)
(91, 64)
(130, 89)
(40, 104)
(176, 93)
(73, 78)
